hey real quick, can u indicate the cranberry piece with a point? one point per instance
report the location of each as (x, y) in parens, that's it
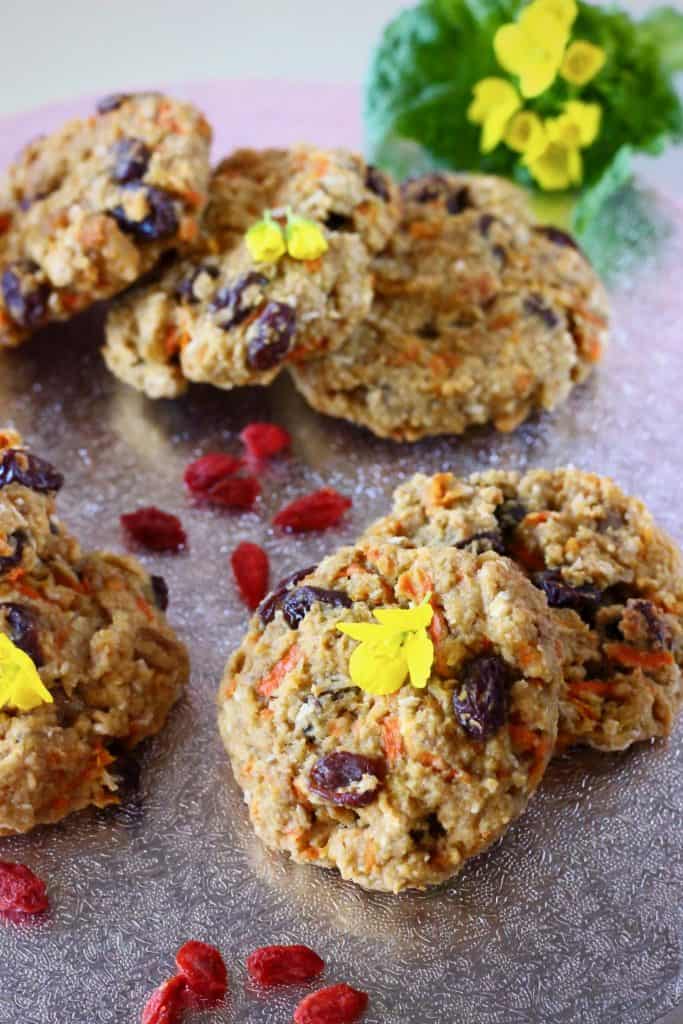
(185, 289)
(333, 774)
(25, 293)
(201, 475)
(274, 600)
(584, 600)
(167, 1002)
(377, 183)
(111, 102)
(298, 603)
(161, 220)
(557, 236)
(534, 305)
(203, 969)
(21, 891)
(160, 591)
(315, 511)
(273, 336)
(459, 200)
(235, 492)
(21, 467)
(131, 160)
(235, 302)
(284, 965)
(480, 698)
(7, 562)
(425, 188)
(338, 1004)
(487, 540)
(251, 568)
(154, 529)
(23, 630)
(263, 440)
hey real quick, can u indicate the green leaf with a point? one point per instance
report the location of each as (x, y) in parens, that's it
(615, 176)
(663, 28)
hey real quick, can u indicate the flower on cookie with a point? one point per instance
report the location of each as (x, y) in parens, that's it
(392, 650)
(20, 685)
(268, 240)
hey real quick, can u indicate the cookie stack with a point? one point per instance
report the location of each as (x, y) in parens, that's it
(391, 711)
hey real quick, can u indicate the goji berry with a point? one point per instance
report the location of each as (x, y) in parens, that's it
(154, 529)
(203, 968)
(284, 965)
(233, 492)
(166, 1003)
(314, 511)
(338, 1004)
(263, 440)
(21, 891)
(203, 473)
(250, 567)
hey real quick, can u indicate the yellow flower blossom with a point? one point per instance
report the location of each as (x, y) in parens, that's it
(392, 650)
(557, 167)
(20, 685)
(563, 11)
(578, 126)
(532, 48)
(582, 62)
(495, 101)
(305, 239)
(266, 240)
(526, 133)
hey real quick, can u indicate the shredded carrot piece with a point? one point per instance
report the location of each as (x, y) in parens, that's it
(593, 350)
(229, 689)
(15, 574)
(533, 518)
(313, 266)
(596, 686)
(70, 301)
(633, 657)
(423, 229)
(523, 737)
(417, 586)
(189, 229)
(5, 221)
(531, 560)
(392, 741)
(24, 588)
(144, 608)
(193, 198)
(320, 166)
(270, 682)
(593, 318)
(503, 320)
(438, 764)
(438, 627)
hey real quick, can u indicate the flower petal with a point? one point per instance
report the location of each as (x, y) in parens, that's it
(20, 685)
(582, 62)
(525, 133)
(376, 673)
(587, 117)
(403, 620)
(537, 77)
(419, 654)
(510, 46)
(368, 632)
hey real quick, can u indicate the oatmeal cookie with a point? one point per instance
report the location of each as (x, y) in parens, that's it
(223, 318)
(479, 316)
(93, 623)
(612, 577)
(395, 791)
(88, 210)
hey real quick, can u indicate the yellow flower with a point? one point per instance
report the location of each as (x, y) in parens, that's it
(392, 651)
(266, 240)
(578, 126)
(532, 48)
(563, 11)
(20, 685)
(557, 167)
(305, 239)
(526, 133)
(582, 61)
(495, 101)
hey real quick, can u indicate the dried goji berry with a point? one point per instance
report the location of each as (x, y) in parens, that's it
(154, 529)
(203, 473)
(284, 965)
(21, 891)
(314, 511)
(167, 1002)
(233, 492)
(250, 567)
(203, 968)
(263, 440)
(338, 1004)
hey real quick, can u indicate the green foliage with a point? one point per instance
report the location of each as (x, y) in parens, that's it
(663, 28)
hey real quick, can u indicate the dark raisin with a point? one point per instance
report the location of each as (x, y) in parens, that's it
(333, 776)
(535, 306)
(25, 293)
(131, 160)
(459, 200)
(273, 601)
(238, 299)
(298, 603)
(185, 289)
(161, 220)
(584, 600)
(480, 699)
(424, 189)
(486, 540)
(160, 591)
(485, 223)
(557, 236)
(429, 332)
(273, 336)
(500, 254)
(509, 515)
(377, 183)
(337, 222)
(23, 630)
(26, 202)
(20, 467)
(7, 562)
(111, 102)
(642, 626)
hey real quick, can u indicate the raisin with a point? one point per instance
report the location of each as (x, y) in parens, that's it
(334, 774)
(377, 182)
(21, 891)
(7, 562)
(284, 965)
(161, 220)
(557, 236)
(509, 514)
(338, 222)
(424, 189)
(131, 160)
(480, 699)
(535, 306)
(487, 540)
(298, 603)
(21, 467)
(584, 600)
(271, 604)
(641, 625)
(263, 440)
(273, 336)
(338, 1004)
(154, 529)
(203, 969)
(239, 299)
(111, 102)
(160, 591)
(428, 331)
(25, 293)
(201, 475)
(316, 511)
(250, 568)
(234, 492)
(486, 222)
(185, 289)
(459, 200)
(167, 1002)
(23, 630)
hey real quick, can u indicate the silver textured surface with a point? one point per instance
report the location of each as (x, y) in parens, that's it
(576, 915)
